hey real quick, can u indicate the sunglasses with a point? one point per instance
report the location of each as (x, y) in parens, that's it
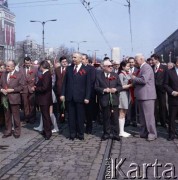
(109, 66)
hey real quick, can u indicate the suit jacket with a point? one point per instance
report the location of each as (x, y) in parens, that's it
(159, 77)
(44, 89)
(16, 82)
(29, 79)
(144, 84)
(59, 80)
(171, 84)
(76, 87)
(102, 83)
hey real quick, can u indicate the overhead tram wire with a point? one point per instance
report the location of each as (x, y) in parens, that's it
(43, 5)
(31, 2)
(89, 9)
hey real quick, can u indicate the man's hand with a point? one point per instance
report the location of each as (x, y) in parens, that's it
(86, 101)
(62, 98)
(33, 88)
(4, 91)
(10, 90)
(107, 90)
(113, 90)
(175, 93)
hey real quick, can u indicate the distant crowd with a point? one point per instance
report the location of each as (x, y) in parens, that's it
(137, 92)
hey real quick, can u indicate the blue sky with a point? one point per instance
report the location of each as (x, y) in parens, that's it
(152, 22)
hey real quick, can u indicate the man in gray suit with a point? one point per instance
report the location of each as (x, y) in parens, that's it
(145, 94)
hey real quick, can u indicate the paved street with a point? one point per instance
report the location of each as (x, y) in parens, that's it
(30, 157)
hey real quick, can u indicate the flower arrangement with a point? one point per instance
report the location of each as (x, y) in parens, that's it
(30, 72)
(82, 72)
(160, 70)
(13, 77)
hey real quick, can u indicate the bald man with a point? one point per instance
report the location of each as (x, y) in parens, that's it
(11, 84)
(145, 94)
(108, 86)
(76, 90)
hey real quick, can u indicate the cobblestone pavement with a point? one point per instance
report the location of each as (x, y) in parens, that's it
(62, 159)
(140, 151)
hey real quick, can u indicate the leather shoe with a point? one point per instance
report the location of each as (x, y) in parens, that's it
(170, 138)
(105, 137)
(47, 138)
(151, 139)
(16, 136)
(5, 136)
(117, 138)
(81, 138)
(71, 138)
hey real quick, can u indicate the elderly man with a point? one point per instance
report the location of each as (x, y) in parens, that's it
(145, 94)
(76, 90)
(11, 84)
(108, 86)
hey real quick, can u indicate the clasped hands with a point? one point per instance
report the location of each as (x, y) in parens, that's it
(110, 90)
(6, 91)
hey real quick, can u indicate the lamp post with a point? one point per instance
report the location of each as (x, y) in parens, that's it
(78, 43)
(94, 55)
(43, 24)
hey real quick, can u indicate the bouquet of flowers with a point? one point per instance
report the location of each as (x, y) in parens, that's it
(4, 102)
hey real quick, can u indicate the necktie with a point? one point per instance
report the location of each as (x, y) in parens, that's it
(27, 71)
(63, 70)
(75, 70)
(9, 77)
(156, 68)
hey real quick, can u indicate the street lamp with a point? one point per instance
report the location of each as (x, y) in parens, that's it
(78, 43)
(43, 23)
(94, 55)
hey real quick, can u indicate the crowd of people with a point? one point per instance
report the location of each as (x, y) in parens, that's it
(136, 91)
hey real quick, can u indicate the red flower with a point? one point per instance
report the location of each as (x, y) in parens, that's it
(13, 77)
(82, 72)
(160, 70)
(111, 78)
(40, 77)
(30, 72)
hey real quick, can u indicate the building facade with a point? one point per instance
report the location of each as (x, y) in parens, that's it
(168, 49)
(7, 32)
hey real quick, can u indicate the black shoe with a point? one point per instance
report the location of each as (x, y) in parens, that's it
(47, 138)
(134, 124)
(117, 138)
(16, 136)
(88, 131)
(170, 138)
(105, 137)
(5, 136)
(71, 138)
(81, 138)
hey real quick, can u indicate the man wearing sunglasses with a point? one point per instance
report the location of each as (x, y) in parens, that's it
(108, 86)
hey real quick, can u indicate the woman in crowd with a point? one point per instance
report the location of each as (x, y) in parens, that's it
(53, 118)
(124, 97)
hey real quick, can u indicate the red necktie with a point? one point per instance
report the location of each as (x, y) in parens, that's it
(75, 70)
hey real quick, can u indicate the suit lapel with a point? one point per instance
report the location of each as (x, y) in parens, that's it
(104, 79)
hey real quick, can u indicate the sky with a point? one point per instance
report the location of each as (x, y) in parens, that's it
(152, 21)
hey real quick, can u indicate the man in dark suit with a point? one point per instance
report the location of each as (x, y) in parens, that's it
(43, 90)
(161, 112)
(145, 94)
(60, 73)
(28, 96)
(108, 86)
(76, 91)
(11, 84)
(171, 86)
(91, 106)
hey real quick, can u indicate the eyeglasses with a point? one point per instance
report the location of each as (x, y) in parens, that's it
(109, 66)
